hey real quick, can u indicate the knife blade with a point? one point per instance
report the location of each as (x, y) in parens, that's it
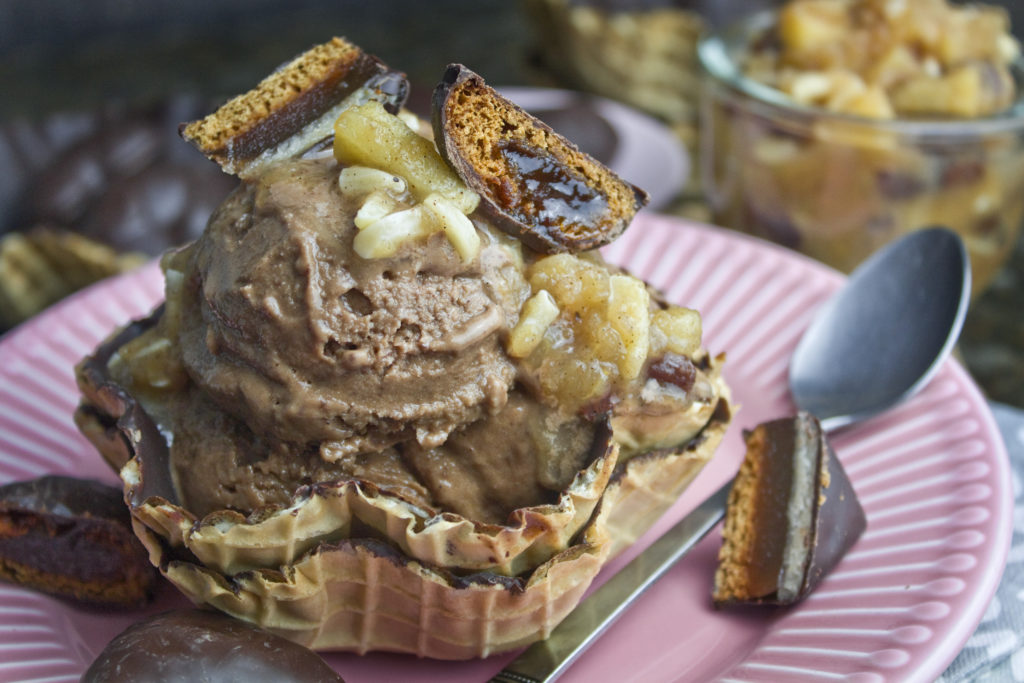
(546, 660)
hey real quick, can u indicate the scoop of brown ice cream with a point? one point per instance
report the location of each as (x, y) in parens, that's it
(287, 328)
(522, 456)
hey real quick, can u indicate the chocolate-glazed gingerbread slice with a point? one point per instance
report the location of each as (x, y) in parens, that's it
(792, 515)
(72, 538)
(197, 645)
(533, 183)
(294, 108)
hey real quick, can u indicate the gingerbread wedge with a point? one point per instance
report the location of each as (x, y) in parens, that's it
(295, 107)
(72, 538)
(534, 184)
(792, 515)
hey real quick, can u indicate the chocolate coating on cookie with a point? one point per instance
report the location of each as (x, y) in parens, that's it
(126, 184)
(197, 645)
(114, 421)
(533, 183)
(72, 538)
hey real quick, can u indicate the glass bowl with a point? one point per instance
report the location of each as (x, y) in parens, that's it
(837, 186)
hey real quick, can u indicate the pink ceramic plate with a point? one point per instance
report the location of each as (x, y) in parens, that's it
(932, 475)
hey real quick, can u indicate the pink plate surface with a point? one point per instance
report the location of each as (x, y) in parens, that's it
(932, 475)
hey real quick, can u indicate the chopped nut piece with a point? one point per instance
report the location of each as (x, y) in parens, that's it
(361, 180)
(808, 87)
(410, 119)
(383, 237)
(377, 205)
(1008, 48)
(457, 227)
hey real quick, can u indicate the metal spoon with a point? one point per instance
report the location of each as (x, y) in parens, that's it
(871, 346)
(884, 335)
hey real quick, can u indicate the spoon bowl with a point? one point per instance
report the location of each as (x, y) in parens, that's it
(910, 299)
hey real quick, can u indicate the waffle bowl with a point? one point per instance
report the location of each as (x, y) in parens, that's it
(347, 565)
(644, 487)
(361, 595)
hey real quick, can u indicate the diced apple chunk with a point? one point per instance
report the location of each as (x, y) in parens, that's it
(682, 329)
(628, 306)
(368, 135)
(806, 26)
(538, 313)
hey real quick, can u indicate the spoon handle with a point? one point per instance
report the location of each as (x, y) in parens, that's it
(548, 659)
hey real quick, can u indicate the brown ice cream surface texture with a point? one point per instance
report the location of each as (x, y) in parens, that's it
(305, 362)
(301, 361)
(308, 341)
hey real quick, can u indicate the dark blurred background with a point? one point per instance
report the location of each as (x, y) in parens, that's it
(73, 55)
(57, 55)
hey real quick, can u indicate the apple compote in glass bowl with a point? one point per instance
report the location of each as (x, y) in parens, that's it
(833, 127)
